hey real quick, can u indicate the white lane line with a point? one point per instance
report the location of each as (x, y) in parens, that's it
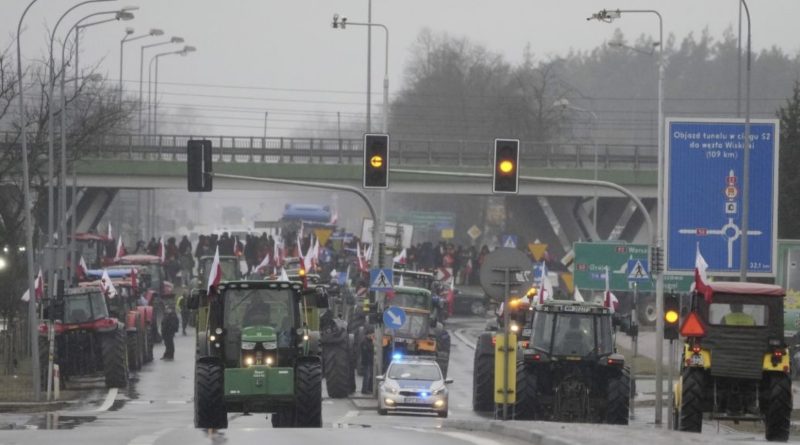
(470, 438)
(149, 439)
(342, 421)
(110, 397)
(460, 335)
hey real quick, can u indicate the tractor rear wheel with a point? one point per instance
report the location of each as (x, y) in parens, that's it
(339, 376)
(443, 350)
(44, 352)
(284, 418)
(619, 395)
(308, 395)
(778, 413)
(526, 406)
(134, 360)
(115, 359)
(692, 382)
(209, 401)
(483, 374)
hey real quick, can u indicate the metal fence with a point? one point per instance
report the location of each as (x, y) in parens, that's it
(296, 150)
(15, 370)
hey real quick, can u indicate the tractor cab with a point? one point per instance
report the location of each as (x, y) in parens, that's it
(229, 264)
(568, 330)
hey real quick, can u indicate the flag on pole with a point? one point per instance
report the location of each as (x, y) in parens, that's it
(334, 216)
(82, 271)
(361, 265)
(577, 295)
(110, 233)
(401, 257)
(121, 252)
(214, 272)
(263, 264)
(107, 286)
(700, 276)
(134, 281)
(161, 250)
(609, 299)
(545, 288)
(284, 276)
(38, 288)
(237, 247)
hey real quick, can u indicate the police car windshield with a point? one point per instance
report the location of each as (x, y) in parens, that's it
(414, 371)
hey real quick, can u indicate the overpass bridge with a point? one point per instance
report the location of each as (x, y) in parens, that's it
(109, 163)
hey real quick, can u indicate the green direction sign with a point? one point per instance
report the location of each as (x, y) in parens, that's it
(591, 260)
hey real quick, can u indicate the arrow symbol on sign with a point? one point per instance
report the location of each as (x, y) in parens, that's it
(395, 318)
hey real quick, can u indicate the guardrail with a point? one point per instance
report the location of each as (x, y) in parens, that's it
(349, 151)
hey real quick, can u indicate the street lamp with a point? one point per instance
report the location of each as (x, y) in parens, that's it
(174, 39)
(122, 14)
(564, 103)
(128, 31)
(608, 16)
(743, 257)
(182, 52)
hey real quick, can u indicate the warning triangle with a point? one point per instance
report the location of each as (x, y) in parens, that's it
(510, 243)
(638, 272)
(537, 250)
(381, 280)
(567, 278)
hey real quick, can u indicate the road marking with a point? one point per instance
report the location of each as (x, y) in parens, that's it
(110, 397)
(470, 438)
(342, 421)
(459, 335)
(149, 439)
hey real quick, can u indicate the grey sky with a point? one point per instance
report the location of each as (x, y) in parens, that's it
(287, 45)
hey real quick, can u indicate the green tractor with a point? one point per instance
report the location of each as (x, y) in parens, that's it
(258, 351)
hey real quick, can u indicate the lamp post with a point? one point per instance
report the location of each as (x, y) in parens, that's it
(564, 103)
(33, 329)
(743, 257)
(128, 31)
(608, 16)
(174, 39)
(183, 52)
(122, 14)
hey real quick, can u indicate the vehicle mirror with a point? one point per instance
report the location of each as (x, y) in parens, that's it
(380, 378)
(448, 381)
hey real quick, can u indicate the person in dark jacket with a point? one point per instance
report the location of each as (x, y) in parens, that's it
(169, 327)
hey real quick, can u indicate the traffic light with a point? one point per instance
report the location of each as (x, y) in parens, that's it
(506, 166)
(672, 316)
(376, 161)
(198, 165)
(656, 260)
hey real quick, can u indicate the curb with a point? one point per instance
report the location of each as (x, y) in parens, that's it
(528, 435)
(33, 407)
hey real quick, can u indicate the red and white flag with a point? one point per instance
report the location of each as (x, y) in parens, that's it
(237, 247)
(284, 276)
(263, 264)
(334, 217)
(400, 258)
(107, 286)
(121, 252)
(83, 271)
(214, 272)
(134, 281)
(700, 276)
(38, 288)
(609, 299)
(361, 263)
(110, 233)
(545, 287)
(162, 252)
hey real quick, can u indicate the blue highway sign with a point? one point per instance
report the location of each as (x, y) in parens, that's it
(394, 317)
(703, 188)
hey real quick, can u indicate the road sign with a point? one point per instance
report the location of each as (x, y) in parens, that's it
(474, 232)
(509, 241)
(380, 279)
(537, 250)
(638, 271)
(492, 273)
(703, 195)
(394, 317)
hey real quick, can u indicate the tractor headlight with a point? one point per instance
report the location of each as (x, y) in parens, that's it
(248, 345)
(270, 345)
(269, 361)
(248, 361)
(218, 331)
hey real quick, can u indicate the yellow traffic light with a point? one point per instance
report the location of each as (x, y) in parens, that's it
(376, 161)
(506, 166)
(671, 316)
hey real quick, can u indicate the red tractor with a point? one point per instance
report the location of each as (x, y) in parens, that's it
(94, 249)
(153, 284)
(87, 339)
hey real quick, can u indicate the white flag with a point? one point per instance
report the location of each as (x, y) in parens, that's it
(107, 286)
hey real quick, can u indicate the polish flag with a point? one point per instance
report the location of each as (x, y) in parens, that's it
(107, 286)
(545, 288)
(315, 253)
(134, 281)
(577, 295)
(308, 258)
(162, 252)
(121, 252)
(263, 264)
(334, 217)
(277, 256)
(38, 288)
(610, 300)
(82, 271)
(214, 272)
(110, 233)
(284, 276)
(401, 257)
(237, 249)
(700, 276)
(361, 263)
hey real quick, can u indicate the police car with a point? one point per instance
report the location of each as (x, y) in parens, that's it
(413, 384)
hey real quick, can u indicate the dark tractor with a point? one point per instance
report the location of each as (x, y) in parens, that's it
(87, 340)
(258, 351)
(231, 270)
(338, 349)
(736, 364)
(422, 333)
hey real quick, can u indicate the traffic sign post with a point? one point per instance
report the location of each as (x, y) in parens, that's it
(509, 241)
(704, 167)
(394, 317)
(380, 280)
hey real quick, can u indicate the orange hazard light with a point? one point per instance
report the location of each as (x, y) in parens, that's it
(692, 326)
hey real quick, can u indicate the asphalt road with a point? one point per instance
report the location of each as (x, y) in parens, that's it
(158, 410)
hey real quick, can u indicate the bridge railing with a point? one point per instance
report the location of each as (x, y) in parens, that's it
(349, 151)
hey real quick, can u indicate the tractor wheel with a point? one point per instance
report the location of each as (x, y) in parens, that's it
(526, 406)
(284, 418)
(115, 359)
(44, 352)
(308, 395)
(443, 350)
(209, 402)
(338, 370)
(483, 374)
(692, 382)
(134, 362)
(619, 394)
(647, 312)
(778, 413)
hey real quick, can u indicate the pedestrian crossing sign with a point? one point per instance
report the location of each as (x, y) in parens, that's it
(380, 279)
(638, 270)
